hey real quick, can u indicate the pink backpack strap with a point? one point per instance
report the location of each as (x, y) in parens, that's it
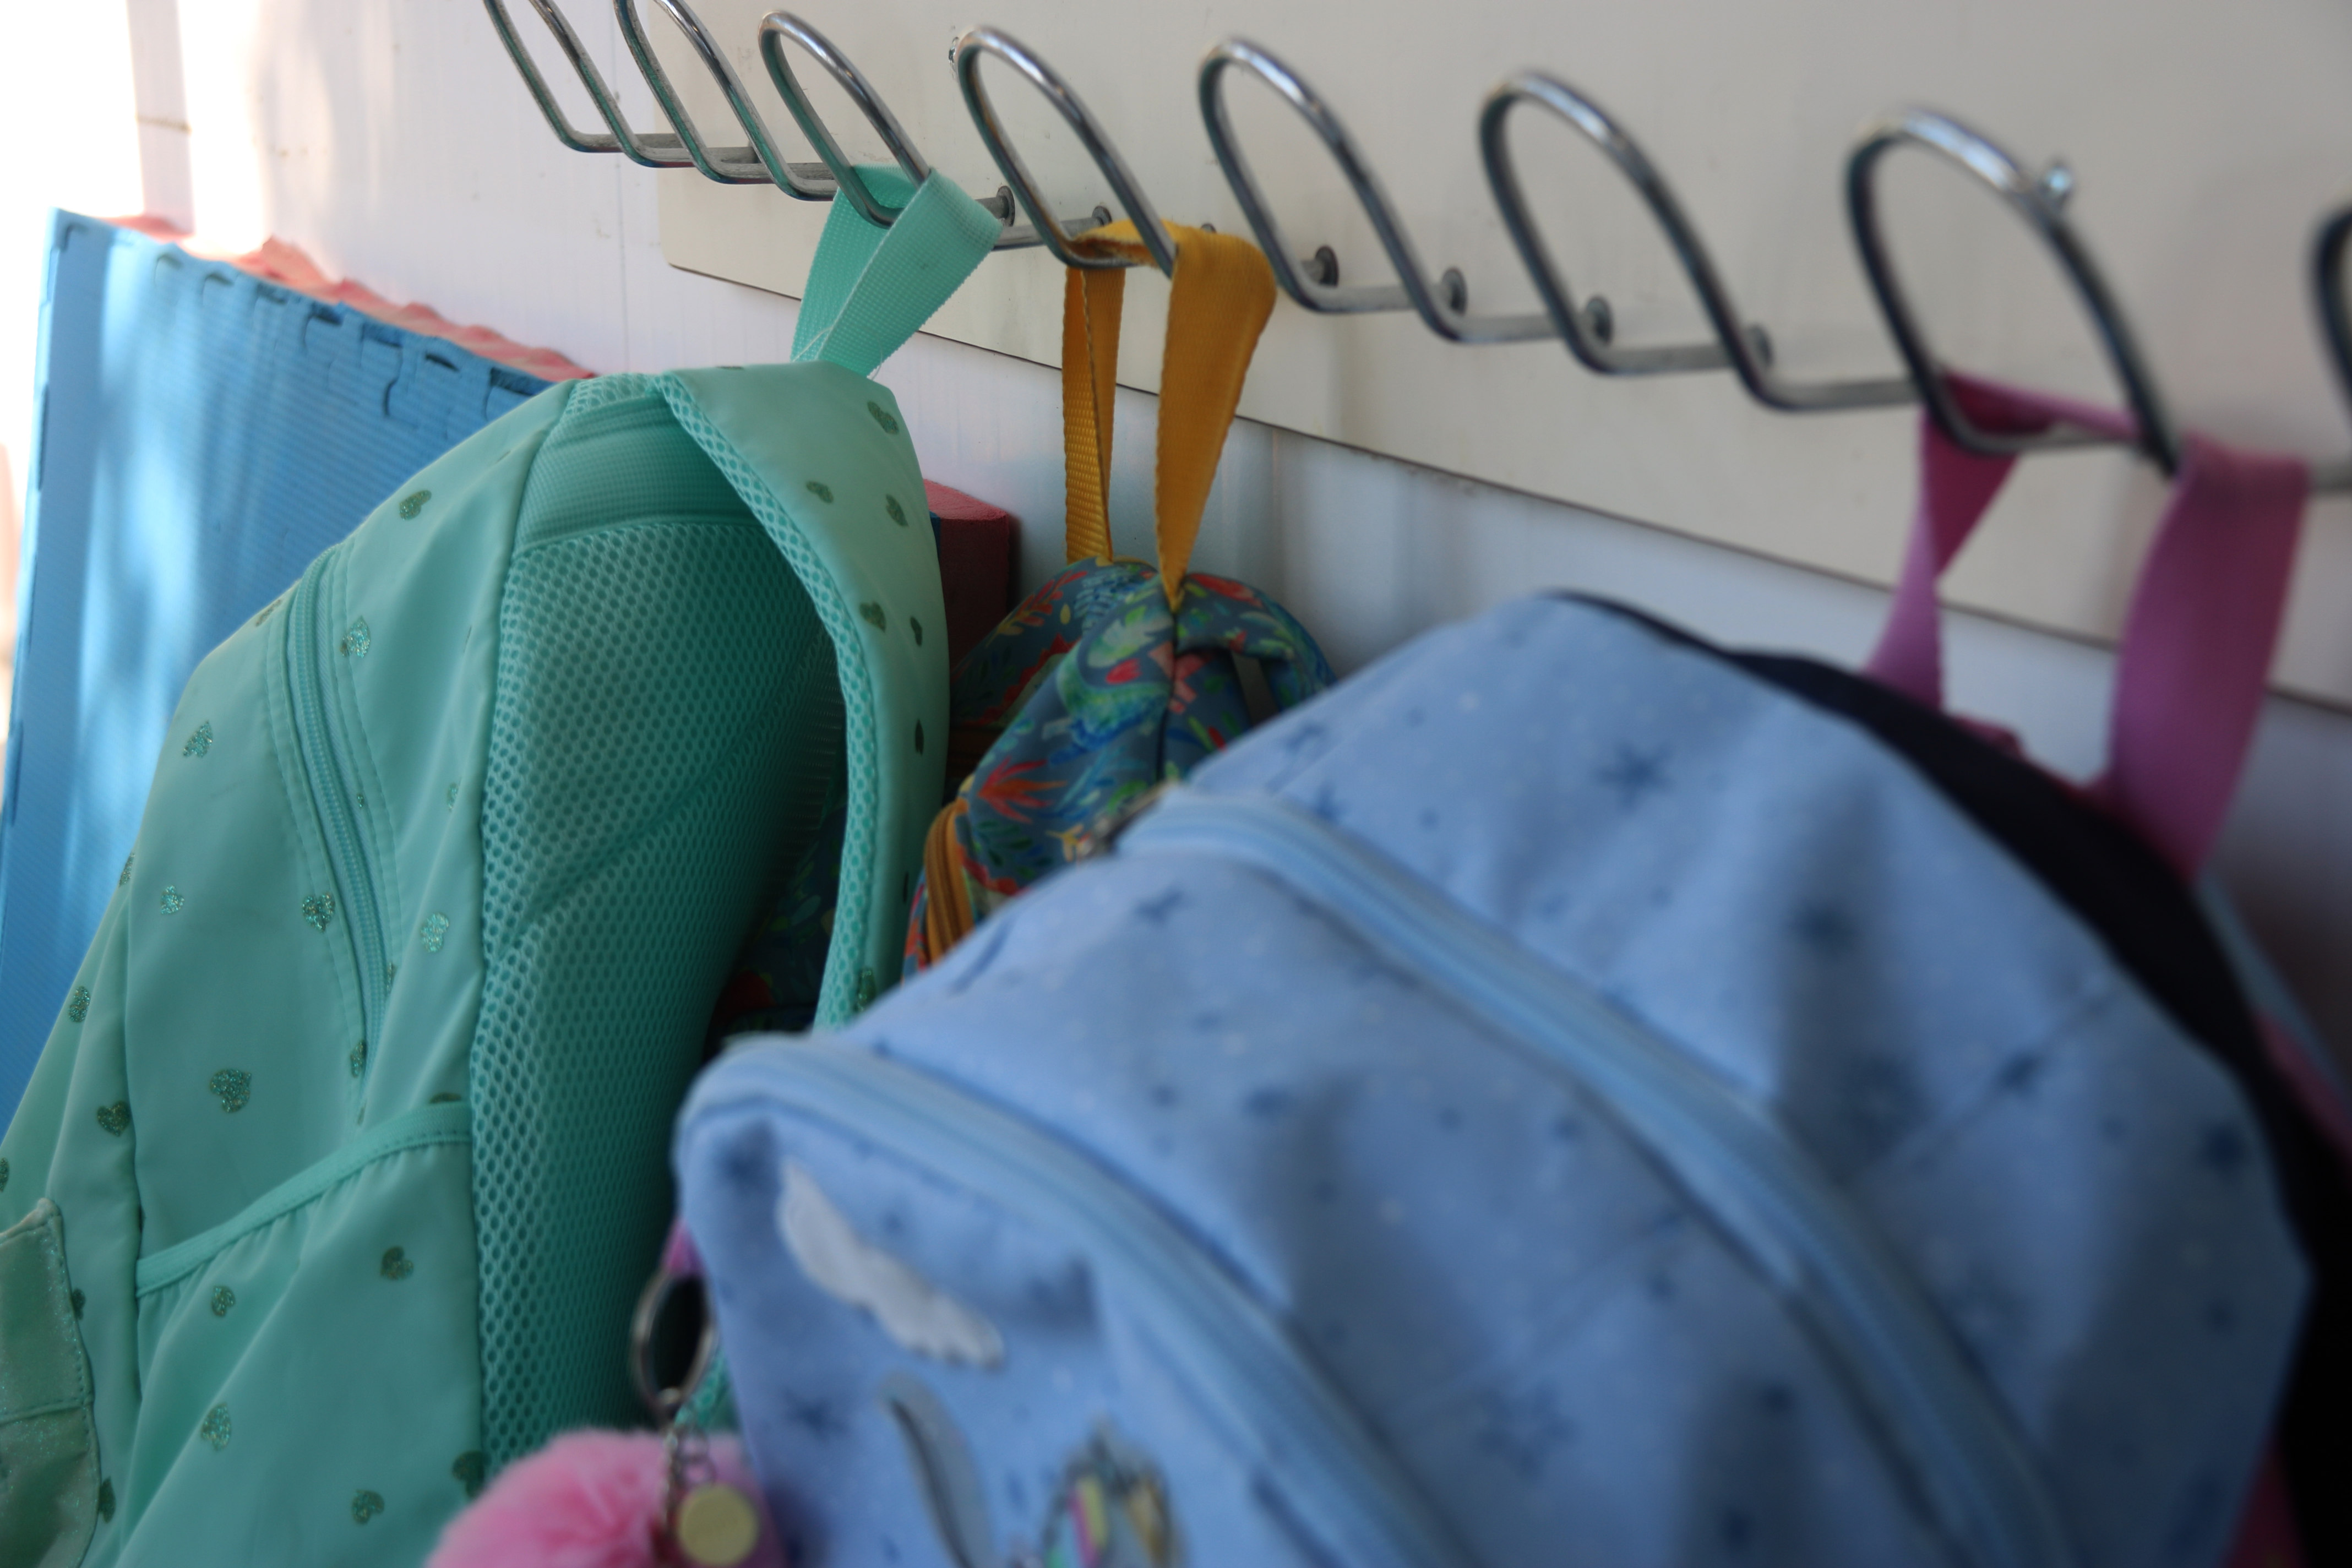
(2198, 639)
(1956, 487)
(2197, 645)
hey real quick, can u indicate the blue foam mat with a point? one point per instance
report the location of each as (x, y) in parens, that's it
(201, 435)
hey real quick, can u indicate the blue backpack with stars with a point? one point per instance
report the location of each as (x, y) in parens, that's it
(342, 1168)
(1566, 1095)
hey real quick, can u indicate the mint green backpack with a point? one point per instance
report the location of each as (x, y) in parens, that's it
(347, 1155)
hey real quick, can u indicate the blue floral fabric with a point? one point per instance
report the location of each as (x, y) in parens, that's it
(1091, 693)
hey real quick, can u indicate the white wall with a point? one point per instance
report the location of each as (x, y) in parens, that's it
(394, 142)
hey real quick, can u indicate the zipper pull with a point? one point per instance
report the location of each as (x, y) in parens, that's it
(704, 1522)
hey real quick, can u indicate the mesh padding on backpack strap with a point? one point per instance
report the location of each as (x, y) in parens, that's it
(838, 1001)
(666, 712)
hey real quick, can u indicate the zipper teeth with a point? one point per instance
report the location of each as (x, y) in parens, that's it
(1736, 1163)
(346, 855)
(1243, 1362)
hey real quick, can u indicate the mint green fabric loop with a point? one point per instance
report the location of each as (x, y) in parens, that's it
(870, 288)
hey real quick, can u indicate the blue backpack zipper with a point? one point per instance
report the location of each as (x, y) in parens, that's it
(1764, 1191)
(1272, 1403)
(307, 651)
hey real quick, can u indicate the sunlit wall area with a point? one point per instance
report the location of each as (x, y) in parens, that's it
(72, 121)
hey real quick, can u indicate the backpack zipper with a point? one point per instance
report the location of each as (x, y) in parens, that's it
(316, 734)
(1796, 1227)
(1273, 1405)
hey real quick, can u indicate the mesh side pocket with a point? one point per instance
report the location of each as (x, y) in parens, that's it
(839, 999)
(646, 770)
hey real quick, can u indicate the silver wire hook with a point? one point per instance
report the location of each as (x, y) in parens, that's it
(778, 28)
(577, 140)
(1049, 230)
(753, 165)
(775, 28)
(2330, 250)
(1741, 346)
(1447, 317)
(2042, 202)
(654, 149)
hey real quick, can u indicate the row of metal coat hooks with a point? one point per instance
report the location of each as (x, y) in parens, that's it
(1585, 325)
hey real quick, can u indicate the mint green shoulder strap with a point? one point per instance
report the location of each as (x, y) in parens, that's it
(870, 288)
(820, 455)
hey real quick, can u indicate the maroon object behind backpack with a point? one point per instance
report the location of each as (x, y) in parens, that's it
(978, 556)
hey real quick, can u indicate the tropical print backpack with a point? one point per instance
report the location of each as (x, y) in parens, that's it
(1574, 1094)
(342, 1168)
(1114, 676)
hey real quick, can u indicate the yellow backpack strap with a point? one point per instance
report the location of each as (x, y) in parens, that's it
(1223, 294)
(1091, 298)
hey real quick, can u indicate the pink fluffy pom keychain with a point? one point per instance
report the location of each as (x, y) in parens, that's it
(596, 1500)
(674, 1499)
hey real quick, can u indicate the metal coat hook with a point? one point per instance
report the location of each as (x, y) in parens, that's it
(557, 120)
(759, 164)
(2330, 249)
(1586, 325)
(1741, 346)
(778, 28)
(2042, 201)
(1446, 313)
(655, 150)
(2328, 252)
(1049, 230)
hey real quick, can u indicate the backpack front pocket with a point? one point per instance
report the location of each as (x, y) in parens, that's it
(50, 1492)
(351, 1287)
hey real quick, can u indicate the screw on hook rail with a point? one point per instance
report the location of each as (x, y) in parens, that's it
(1600, 320)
